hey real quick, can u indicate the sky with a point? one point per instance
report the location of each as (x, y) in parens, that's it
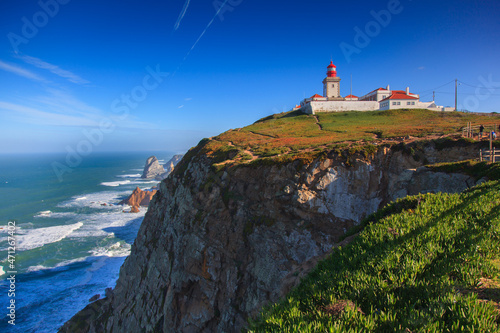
(88, 76)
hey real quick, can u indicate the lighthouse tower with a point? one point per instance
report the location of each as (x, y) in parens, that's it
(331, 84)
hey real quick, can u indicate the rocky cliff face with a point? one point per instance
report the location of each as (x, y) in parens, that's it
(216, 247)
(152, 168)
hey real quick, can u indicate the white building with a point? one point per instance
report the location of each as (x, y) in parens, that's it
(378, 99)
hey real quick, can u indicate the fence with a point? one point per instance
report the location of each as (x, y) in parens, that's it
(470, 131)
(492, 155)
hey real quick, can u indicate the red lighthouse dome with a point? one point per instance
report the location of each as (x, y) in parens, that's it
(331, 70)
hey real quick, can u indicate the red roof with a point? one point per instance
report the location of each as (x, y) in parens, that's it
(351, 96)
(331, 65)
(399, 96)
(317, 96)
(376, 90)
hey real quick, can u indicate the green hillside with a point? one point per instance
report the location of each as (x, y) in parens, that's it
(427, 263)
(294, 135)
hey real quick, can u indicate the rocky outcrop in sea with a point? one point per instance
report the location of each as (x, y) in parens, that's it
(152, 168)
(169, 166)
(139, 198)
(216, 246)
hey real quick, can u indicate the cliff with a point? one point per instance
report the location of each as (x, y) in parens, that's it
(219, 243)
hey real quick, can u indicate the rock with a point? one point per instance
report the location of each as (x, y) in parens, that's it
(169, 166)
(108, 292)
(139, 198)
(95, 298)
(134, 209)
(152, 168)
(211, 252)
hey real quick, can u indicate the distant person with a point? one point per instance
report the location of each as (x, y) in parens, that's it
(493, 135)
(481, 129)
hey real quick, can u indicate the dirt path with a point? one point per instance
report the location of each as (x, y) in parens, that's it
(267, 135)
(254, 157)
(317, 122)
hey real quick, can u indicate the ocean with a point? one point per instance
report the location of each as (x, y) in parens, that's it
(71, 236)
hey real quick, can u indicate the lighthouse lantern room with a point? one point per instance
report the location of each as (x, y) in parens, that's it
(331, 84)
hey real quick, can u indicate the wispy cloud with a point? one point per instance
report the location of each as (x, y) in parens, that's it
(421, 68)
(61, 101)
(181, 15)
(32, 115)
(58, 107)
(54, 69)
(20, 71)
(55, 107)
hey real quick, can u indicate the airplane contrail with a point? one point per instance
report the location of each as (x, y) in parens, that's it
(181, 15)
(208, 26)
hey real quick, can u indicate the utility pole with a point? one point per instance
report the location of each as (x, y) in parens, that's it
(351, 86)
(433, 96)
(456, 91)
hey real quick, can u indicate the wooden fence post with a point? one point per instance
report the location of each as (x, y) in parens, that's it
(480, 155)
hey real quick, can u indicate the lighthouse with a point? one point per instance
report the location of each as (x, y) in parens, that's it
(331, 84)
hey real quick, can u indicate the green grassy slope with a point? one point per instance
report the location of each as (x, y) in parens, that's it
(297, 135)
(427, 263)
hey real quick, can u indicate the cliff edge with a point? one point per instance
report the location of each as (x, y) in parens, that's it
(231, 230)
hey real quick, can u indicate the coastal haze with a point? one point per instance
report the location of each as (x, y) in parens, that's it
(91, 91)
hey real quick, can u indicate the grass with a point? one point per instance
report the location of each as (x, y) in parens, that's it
(295, 134)
(427, 263)
(474, 169)
(421, 264)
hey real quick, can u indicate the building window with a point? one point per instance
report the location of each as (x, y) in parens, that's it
(408, 103)
(394, 103)
(333, 85)
(412, 103)
(399, 103)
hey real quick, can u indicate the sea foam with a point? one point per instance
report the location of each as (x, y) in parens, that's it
(33, 238)
(117, 249)
(115, 184)
(129, 182)
(95, 200)
(136, 175)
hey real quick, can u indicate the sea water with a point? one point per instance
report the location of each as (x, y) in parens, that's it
(71, 236)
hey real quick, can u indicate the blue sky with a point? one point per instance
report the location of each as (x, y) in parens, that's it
(92, 75)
